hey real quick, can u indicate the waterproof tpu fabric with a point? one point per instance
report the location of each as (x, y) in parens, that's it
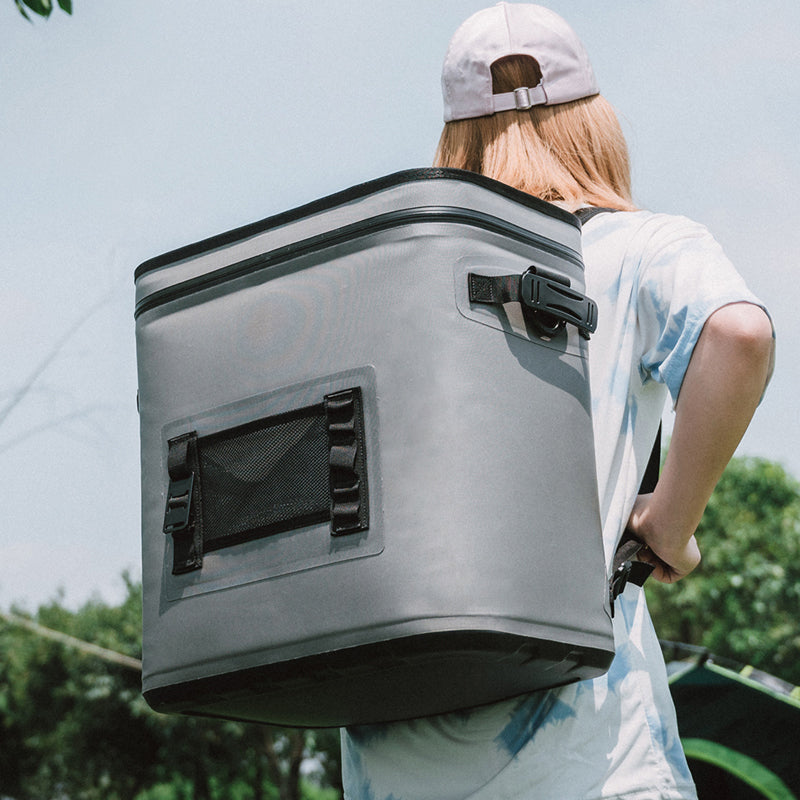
(465, 562)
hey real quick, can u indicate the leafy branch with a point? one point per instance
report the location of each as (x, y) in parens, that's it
(41, 7)
(71, 641)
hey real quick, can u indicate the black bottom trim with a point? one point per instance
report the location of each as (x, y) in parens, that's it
(388, 681)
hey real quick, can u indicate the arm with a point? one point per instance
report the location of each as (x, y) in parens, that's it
(723, 384)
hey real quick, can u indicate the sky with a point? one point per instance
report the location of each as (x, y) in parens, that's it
(131, 129)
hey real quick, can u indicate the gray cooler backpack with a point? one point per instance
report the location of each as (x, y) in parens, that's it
(368, 475)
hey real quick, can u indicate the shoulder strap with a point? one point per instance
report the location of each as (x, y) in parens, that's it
(586, 213)
(650, 478)
(626, 569)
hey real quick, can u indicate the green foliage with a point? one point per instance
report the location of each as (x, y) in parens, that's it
(41, 7)
(314, 792)
(71, 720)
(743, 601)
(75, 725)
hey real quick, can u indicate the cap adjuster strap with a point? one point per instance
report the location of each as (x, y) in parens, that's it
(520, 99)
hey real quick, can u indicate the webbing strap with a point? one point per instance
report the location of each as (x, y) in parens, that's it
(347, 462)
(183, 516)
(544, 295)
(493, 289)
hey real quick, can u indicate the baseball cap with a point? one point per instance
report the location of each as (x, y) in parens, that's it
(513, 29)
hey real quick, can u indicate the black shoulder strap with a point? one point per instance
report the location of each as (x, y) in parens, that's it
(626, 569)
(650, 478)
(586, 213)
(653, 467)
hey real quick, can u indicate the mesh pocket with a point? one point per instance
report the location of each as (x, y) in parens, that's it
(284, 472)
(266, 478)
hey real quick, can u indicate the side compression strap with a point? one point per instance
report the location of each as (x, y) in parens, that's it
(183, 517)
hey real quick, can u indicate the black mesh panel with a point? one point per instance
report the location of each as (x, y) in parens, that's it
(265, 478)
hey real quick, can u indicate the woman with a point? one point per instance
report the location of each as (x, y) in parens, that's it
(522, 106)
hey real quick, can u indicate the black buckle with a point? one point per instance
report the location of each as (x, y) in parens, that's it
(179, 504)
(550, 293)
(619, 580)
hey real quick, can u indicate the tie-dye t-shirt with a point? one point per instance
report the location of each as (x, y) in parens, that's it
(656, 279)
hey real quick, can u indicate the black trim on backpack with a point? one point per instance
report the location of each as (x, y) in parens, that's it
(315, 245)
(348, 196)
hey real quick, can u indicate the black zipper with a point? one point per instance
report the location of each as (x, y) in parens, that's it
(367, 227)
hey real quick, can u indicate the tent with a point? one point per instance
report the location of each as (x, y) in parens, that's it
(740, 727)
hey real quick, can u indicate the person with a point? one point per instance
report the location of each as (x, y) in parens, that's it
(522, 106)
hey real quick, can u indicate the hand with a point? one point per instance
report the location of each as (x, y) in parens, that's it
(671, 559)
(727, 373)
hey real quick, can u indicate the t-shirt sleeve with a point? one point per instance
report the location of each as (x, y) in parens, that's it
(683, 277)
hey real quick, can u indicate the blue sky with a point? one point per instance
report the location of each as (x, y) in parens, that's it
(130, 129)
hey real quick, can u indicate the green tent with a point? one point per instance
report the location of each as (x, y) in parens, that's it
(740, 727)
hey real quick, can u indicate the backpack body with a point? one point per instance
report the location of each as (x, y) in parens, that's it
(366, 497)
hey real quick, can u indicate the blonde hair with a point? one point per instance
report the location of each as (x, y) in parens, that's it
(573, 152)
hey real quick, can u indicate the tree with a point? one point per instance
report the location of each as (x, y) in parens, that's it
(742, 602)
(73, 722)
(42, 7)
